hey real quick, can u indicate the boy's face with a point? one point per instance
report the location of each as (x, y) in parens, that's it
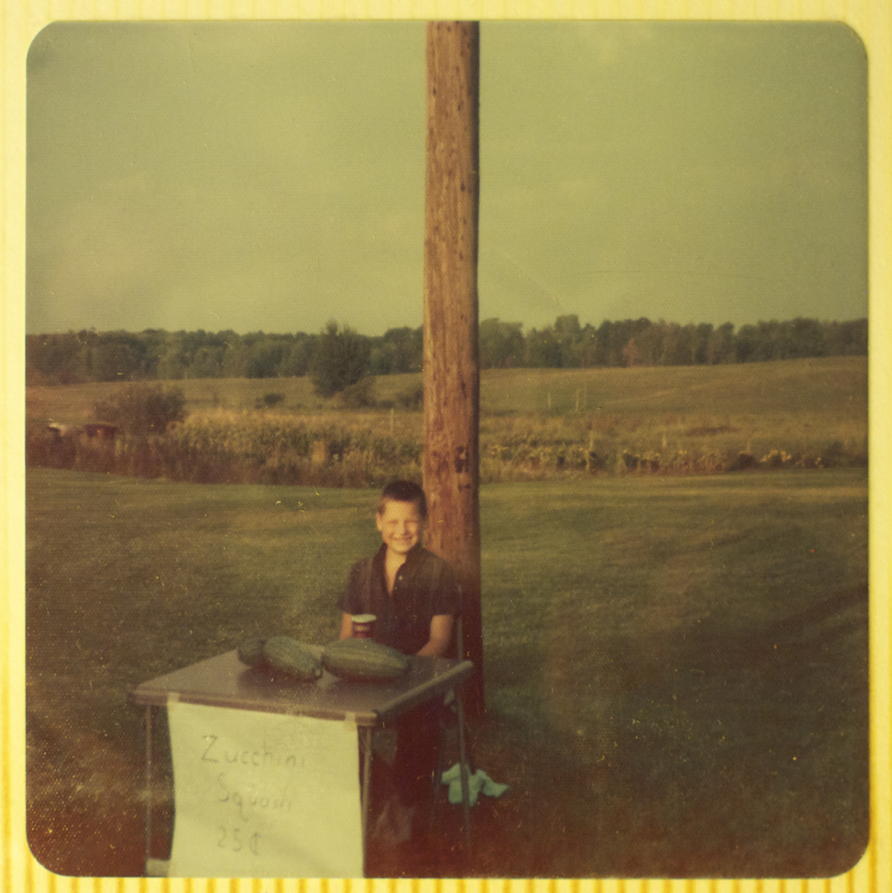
(400, 526)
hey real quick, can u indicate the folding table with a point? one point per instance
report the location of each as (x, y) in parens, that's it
(224, 681)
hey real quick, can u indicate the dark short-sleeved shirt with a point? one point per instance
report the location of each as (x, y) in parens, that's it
(425, 586)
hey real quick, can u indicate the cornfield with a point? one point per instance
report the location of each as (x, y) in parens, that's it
(367, 449)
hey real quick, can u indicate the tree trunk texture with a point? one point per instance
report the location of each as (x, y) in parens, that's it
(451, 363)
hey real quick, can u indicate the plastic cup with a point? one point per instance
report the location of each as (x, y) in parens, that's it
(363, 626)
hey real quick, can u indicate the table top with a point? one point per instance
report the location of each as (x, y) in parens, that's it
(224, 681)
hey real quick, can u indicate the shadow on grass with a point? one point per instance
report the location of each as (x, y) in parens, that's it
(704, 759)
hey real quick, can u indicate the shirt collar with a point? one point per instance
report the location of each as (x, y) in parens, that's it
(411, 556)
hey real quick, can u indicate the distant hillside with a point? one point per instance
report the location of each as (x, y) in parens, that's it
(826, 386)
(831, 386)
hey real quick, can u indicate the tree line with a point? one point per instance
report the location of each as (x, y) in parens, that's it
(338, 356)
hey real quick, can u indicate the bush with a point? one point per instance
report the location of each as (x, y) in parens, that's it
(359, 395)
(268, 400)
(341, 359)
(143, 409)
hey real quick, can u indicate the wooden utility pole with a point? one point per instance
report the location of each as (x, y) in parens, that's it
(451, 366)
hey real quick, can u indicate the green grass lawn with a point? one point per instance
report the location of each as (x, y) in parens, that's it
(675, 668)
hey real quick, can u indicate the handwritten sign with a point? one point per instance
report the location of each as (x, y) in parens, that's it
(263, 794)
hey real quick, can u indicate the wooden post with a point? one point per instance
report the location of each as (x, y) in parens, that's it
(451, 365)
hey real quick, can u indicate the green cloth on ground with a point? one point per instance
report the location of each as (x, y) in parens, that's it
(478, 782)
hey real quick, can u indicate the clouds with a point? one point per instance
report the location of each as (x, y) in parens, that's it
(211, 166)
(688, 171)
(270, 175)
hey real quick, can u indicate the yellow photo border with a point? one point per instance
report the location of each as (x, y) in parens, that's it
(23, 19)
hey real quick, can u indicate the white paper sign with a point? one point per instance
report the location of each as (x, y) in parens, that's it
(263, 794)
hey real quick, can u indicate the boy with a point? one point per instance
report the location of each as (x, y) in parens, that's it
(414, 596)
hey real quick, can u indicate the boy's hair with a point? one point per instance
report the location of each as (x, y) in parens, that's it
(403, 491)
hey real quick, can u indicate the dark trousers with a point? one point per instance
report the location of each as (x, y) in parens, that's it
(415, 758)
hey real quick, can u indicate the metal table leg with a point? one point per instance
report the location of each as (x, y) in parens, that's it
(148, 823)
(463, 768)
(365, 733)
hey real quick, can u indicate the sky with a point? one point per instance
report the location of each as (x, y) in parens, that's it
(270, 176)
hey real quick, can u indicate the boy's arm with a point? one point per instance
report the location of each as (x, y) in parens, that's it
(346, 626)
(440, 636)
